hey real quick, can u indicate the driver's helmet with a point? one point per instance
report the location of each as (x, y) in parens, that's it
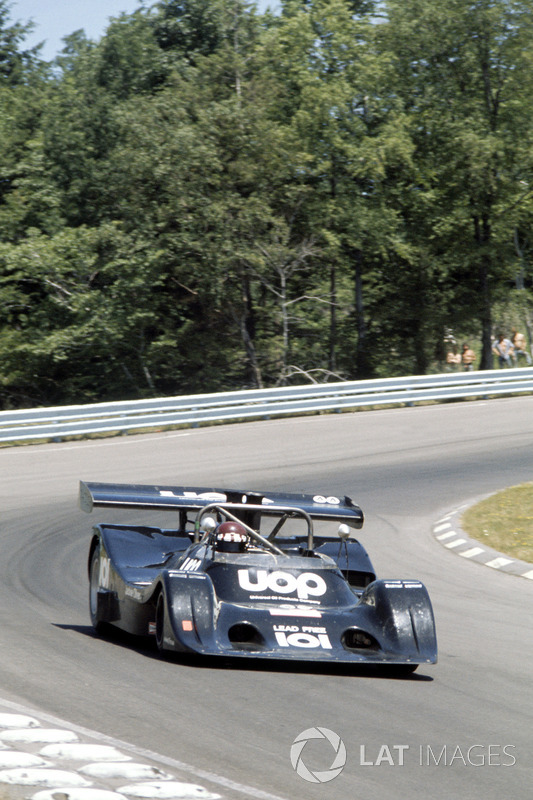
(231, 537)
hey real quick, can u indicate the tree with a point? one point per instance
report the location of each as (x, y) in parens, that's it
(129, 59)
(465, 80)
(353, 148)
(16, 64)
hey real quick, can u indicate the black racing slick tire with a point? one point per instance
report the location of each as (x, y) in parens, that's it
(100, 627)
(160, 619)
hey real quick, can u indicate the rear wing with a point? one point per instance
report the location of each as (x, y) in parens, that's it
(181, 498)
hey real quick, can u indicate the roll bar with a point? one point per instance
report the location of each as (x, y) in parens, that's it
(226, 510)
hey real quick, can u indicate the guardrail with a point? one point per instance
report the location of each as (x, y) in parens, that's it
(100, 418)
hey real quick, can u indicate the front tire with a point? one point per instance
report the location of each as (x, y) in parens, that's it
(160, 621)
(94, 584)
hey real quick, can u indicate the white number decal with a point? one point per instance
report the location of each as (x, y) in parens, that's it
(307, 640)
(104, 578)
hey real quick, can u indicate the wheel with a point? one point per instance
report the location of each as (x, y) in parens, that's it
(94, 578)
(160, 616)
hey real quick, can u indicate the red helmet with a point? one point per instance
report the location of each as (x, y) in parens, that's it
(231, 537)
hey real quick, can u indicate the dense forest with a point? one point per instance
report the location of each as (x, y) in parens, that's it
(213, 198)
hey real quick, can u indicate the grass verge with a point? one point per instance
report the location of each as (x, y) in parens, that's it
(504, 521)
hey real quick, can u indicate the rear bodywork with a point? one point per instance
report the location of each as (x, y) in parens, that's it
(290, 594)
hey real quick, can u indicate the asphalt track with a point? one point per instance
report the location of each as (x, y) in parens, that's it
(472, 712)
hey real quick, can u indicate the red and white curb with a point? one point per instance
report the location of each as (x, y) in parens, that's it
(45, 763)
(449, 533)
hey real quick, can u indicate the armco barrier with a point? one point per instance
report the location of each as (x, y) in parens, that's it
(63, 421)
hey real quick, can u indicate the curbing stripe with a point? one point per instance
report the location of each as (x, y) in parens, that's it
(472, 550)
(442, 536)
(442, 527)
(498, 563)
(218, 782)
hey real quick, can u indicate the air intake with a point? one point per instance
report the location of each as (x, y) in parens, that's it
(356, 639)
(245, 636)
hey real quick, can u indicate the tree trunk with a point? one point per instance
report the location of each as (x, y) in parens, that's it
(362, 361)
(482, 233)
(332, 366)
(247, 327)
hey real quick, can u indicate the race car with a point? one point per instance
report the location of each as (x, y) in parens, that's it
(245, 574)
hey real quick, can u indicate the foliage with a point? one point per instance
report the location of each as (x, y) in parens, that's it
(211, 198)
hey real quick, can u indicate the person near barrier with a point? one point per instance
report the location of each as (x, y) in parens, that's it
(503, 348)
(520, 348)
(467, 357)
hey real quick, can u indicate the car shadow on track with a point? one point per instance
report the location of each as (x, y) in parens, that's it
(146, 646)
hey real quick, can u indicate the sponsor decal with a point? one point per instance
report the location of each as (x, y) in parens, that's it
(304, 585)
(292, 611)
(176, 573)
(190, 565)
(305, 636)
(212, 497)
(104, 577)
(135, 594)
(326, 501)
(237, 538)
(403, 584)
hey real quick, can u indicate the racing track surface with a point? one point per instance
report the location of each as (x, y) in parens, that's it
(406, 467)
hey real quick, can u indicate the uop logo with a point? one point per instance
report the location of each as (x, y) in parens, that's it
(318, 776)
(305, 585)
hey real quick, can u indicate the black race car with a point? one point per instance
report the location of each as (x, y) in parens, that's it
(245, 574)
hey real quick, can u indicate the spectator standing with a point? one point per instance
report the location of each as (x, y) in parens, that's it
(453, 358)
(468, 357)
(520, 347)
(503, 348)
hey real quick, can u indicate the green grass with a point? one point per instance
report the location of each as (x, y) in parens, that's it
(504, 521)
